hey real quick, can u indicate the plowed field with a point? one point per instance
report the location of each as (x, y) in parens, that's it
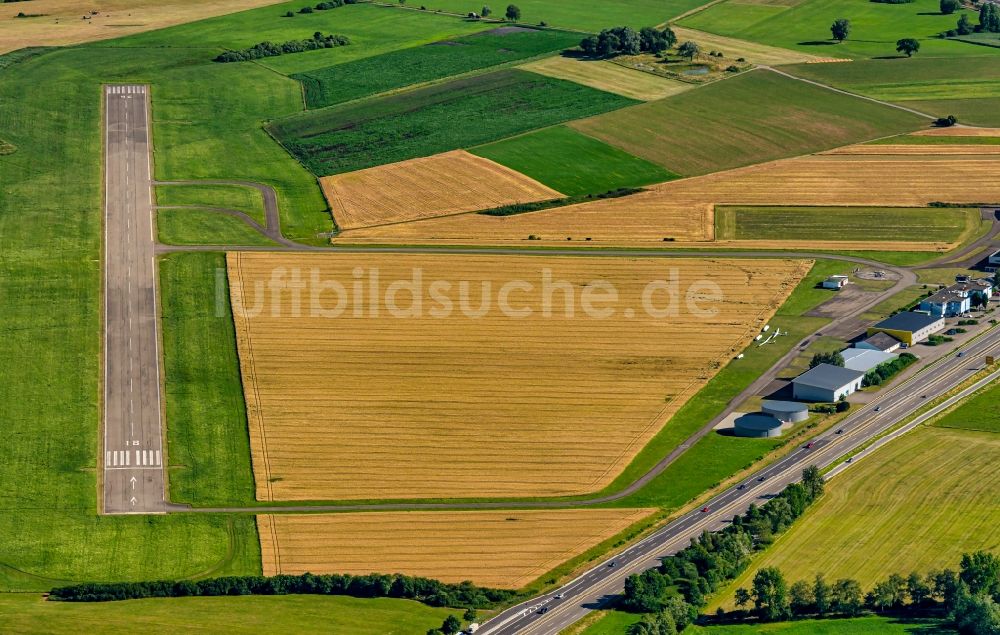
(431, 186)
(413, 400)
(500, 549)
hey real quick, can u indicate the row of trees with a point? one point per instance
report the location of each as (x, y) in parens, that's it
(676, 590)
(431, 592)
(886, 370)
(624, 40)
(968, 596)
(270, 49)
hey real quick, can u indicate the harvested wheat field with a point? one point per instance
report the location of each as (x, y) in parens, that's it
(61, 20)
(608, 76)
(442, 184)
(477, 402)
(916, 149)
(682, 210)
(499, 549)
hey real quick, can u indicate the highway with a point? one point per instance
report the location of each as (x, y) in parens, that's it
(132, 442)
(598, 586)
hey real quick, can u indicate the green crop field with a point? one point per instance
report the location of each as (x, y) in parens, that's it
(978, 413)
(852, 626)
(438, 118)
(208, 442)
(931, 140)
(573, 163)
(617, 623)
(752, 118)
(845, 223)
(205, 227)
(372, 29)
(50, 235)
(584, 15)
(804, 25)
(235, 197)
(28, 613)
(372, 75)
(918, 503)
(968, 87)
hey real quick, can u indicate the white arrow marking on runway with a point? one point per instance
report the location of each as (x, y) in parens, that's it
(133, 501)
(132, 480)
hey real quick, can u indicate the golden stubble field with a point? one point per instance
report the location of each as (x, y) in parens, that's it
(63, 23)
(681, 213)
(499, 549)
(431, 186)
(608, 76)
(361, 406)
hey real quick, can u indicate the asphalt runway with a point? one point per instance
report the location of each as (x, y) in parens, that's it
(132, 442)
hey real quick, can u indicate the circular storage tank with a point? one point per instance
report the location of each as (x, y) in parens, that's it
(757, 424)
(787, 411)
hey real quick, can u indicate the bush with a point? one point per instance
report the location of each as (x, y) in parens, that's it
(949, 6)
(306, 10)
(843, 406)
(945, 122)
(732, 69)
(289, 14)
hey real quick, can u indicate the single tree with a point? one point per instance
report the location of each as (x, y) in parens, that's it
(918, 590)
(834, 359)
(907, 45)
(451, 625)
(840, 29)
(821, 594)
(486, 11)
(742, 597)
(608, 44)
(589, 45)
(629, 41)
(470, 615)
(989, 17)
(980, 571)
(655, 41)
(949, 6)
(770, 594)
(964, 26)
(513, 13)
(846, 597)
(688, 49)
(800, 598)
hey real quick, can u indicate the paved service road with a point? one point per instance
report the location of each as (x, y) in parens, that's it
(596, 587)
(133, 450)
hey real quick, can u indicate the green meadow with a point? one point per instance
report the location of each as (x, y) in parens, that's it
(804, 25)
(205, 227)
(583, 15)
(573, 163)
(29, 613)
(372, 29)
(968, 88)
(922, 224)
(234, 197)
(748, 124)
